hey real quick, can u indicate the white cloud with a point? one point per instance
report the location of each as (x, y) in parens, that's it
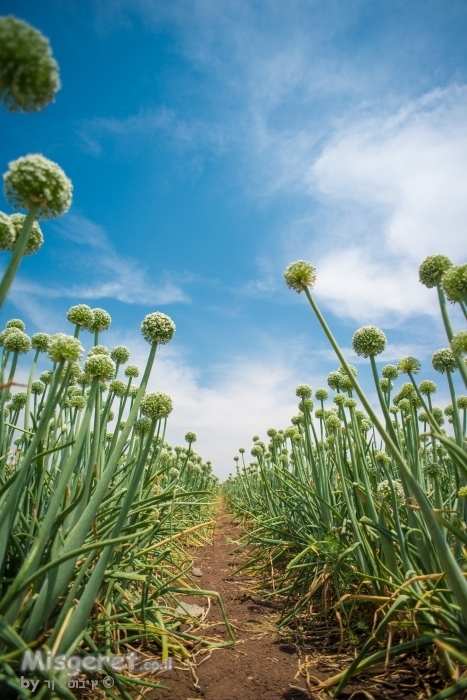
(106, 272)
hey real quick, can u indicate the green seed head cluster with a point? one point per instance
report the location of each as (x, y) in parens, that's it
(132, 371)
(321, 394)
(343, 371)
(36, 181)
(427, 387)
(437, 414)
(28, 73)
(133, 390)
(99, 350)
(158, 328)
(382, 457)
(65, 347)
(190, 437)
(40, 342)
(455, 283)
(462, 402)
(333, 422)
(432, 269)
(18, 401)
(339, 399)
(84, 380)
(174, 472)
(444, 361)
(156, 405)
(7, 232)
(46, 377)
(78, 401)
(350, 403)
(369, 341)
(81, 315)
(118, 387)
(256, 450)
(37, 387)
(433, 470)
(385, 384)
(305, 405)
(299, 275)
(35, 240)
(303, 391)
(384, 492)
(346, 383)
(409, 365)
(462, 493)
(142, 426)
(101, 321)
(271, 432)
(120, 354)
(390, 372)
(404, 405)
(101, 366)
(459, 343)
(449, 410)
(334, 380)
(17, 341)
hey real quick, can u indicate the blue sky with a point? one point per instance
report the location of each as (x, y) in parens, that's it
(211, 143)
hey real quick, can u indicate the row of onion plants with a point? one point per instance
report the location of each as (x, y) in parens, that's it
(361, 510)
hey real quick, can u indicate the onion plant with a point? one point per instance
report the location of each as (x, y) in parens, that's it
(366, 502)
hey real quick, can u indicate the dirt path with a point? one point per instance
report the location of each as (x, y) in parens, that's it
(261, 665)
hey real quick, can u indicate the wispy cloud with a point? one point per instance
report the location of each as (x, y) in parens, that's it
(104, 272)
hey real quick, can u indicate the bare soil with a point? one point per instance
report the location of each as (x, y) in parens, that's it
(265, 664)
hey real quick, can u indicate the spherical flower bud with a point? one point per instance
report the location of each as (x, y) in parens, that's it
(110, 415)
(36, 181)
(28, 73)
(408, 365)
(455, 283)
(437, 414)
(353, 370)
(120, 354)
(158, 328)
(305, 405)
(101, 366)
(190, 437)
(142, 426)
(156, 405)
(404, 405)
(118, 387)
(462, 402)
(303, 390)
(346, 383)
(131, 371)
(369, 341)
(432, 269)
(459, 343)
(46, 377)
(385, 384)
(339, 399)
(84, 380)
(390, 372)
(299, 275)
(174, 472)
(334, 380)
(384, 492)
(350, 403)
(321, 394)
(35, 240)
(433, 470)
(17, 341)
(393, 410)
(64, 347)
(333, 422)
(271, 432)
(449, 410)
(37, 387)
(366, 425)
(7, 232)
(101, 321)
(444, 361)
(256, 450)
(78, 401)
(133, 390)
(16, 323)
(18, 401)
(382, 457)
(427, 387)
(81, 315)
(99, 350)
(40, 342)
(462, 493)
